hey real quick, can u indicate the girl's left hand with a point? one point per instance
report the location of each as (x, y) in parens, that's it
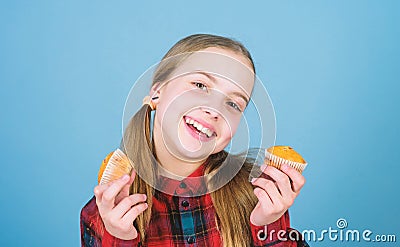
(274, 198)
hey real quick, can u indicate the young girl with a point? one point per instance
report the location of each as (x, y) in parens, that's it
(195, 116)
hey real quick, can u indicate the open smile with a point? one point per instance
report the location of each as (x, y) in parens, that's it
(199, 130)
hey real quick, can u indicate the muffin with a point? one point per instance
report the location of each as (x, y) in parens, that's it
(114, 166)
(278, 155)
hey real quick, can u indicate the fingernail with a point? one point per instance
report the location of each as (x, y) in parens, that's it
(125, 178)
(253, 180)
(263, 167)
(144, 197)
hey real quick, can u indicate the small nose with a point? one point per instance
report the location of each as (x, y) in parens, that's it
(211, 113)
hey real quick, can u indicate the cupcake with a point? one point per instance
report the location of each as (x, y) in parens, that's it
(114, 166)
(278, 155)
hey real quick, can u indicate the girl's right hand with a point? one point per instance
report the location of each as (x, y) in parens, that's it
(118, 209)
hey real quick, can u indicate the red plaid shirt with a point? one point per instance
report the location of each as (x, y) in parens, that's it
(178, 220)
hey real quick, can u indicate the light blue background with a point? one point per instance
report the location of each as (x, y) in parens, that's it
(331, 69)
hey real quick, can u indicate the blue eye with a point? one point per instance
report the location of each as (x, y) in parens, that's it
(200, 86)
(234, 106)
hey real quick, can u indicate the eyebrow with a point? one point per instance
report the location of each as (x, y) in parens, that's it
(213, 79)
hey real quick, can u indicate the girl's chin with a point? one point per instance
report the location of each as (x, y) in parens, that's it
(193, 150)
(197, 149)
(193, 156)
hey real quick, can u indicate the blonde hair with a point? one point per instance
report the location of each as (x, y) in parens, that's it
(234, 201)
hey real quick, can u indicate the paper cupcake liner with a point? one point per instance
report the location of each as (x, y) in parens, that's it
(278, 161)
(117, 166)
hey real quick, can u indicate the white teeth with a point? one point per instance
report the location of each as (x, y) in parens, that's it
(207, 132)
(204, 130)
(200, 127)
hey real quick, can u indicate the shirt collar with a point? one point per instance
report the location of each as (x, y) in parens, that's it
(194, 184)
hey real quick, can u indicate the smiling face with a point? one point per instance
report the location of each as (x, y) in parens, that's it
(199, 109)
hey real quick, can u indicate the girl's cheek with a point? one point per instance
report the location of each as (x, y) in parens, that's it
(232, 124)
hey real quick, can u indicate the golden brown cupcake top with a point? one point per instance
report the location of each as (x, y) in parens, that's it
(287, 153)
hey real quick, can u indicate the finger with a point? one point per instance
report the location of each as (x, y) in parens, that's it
(109, 194)
(281, 179)
(298, 180)
(99, 190)
(133, 213)
(270, 188)
(263, 198)
(125, 190)
(127, 203)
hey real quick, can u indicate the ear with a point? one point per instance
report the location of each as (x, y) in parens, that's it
(155, 92)
(155, 89)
